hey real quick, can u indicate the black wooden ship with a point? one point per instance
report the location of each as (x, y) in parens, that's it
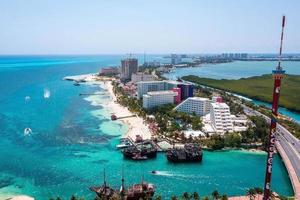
(141, 151)
(103, 191)
(141, 190)
(188, 153)
(137, 191)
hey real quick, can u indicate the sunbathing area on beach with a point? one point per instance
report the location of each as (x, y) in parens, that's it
(136, 125)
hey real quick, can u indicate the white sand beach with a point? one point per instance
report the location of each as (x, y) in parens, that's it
(136, 124)
(14, 197)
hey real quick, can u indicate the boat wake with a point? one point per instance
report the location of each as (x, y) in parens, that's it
(27, 98)
(168, 173)
(27, 131)
(47, 93)
(175, 175)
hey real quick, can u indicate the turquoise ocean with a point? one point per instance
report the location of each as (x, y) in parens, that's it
(73, 139)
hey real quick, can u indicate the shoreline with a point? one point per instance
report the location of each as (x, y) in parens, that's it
(136, 125)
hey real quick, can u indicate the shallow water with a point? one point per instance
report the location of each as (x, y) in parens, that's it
(73, 139)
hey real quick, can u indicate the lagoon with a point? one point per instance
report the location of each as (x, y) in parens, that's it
(237, 70)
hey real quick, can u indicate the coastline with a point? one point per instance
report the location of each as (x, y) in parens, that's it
(86, 163)
(136, 125)
(4, 196)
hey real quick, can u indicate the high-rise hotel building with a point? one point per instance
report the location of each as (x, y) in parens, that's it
(128, 67)
(185, 89)
(220, 117)
(158, 98)
(198, 105)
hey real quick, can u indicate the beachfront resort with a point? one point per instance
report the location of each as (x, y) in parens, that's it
(149, 100)
(177, 117)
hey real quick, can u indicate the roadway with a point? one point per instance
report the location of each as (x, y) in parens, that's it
(289, 148)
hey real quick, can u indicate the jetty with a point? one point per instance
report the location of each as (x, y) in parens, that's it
(114, 117)
(89, 94)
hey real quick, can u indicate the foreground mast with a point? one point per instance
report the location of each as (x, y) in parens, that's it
(277, 75)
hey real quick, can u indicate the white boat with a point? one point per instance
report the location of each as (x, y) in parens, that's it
(124, 143)
(47, 93)
(27, 131)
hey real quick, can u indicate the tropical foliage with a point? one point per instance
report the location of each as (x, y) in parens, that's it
(258, 87)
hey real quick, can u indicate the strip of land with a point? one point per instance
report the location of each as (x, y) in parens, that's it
(257, 87)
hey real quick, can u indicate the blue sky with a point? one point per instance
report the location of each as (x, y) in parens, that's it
(154, 26)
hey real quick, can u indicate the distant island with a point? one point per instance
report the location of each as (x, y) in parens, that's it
(257, 87)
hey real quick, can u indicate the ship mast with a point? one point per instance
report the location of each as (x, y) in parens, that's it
(277, 76)
(122, 190)
(104, 178)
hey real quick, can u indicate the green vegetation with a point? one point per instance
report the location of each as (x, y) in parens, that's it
(134, 105)
(291, 126)
(215, 195)
(257, 87)
(171, 122)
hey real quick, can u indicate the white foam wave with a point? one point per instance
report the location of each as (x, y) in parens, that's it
(47, 93)
(27, 131)
(27, 98)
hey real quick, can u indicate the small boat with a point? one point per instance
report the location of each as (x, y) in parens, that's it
(27, 131)
(125, 143)
(47, 94)
(153, 172)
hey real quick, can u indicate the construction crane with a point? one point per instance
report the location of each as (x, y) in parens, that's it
(277, 76)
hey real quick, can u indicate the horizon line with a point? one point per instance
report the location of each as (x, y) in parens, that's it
(140, 53)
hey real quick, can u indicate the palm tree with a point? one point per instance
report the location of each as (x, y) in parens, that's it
(196, 196)
(173, 198)
(251, 193)
(205, 198)
(73, 197)
(224, 197)
(186, 196)
(215, 194)
(258, 190)
(158, 197)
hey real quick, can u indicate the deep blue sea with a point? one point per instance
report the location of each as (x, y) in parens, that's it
(73, 139)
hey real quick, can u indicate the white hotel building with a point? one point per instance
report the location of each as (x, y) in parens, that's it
(147, 86)
(220, 117)
(141, 76)
(199, 106)
(158, 98)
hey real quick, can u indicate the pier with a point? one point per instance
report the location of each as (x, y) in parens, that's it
(114, 117)
(89, 94)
